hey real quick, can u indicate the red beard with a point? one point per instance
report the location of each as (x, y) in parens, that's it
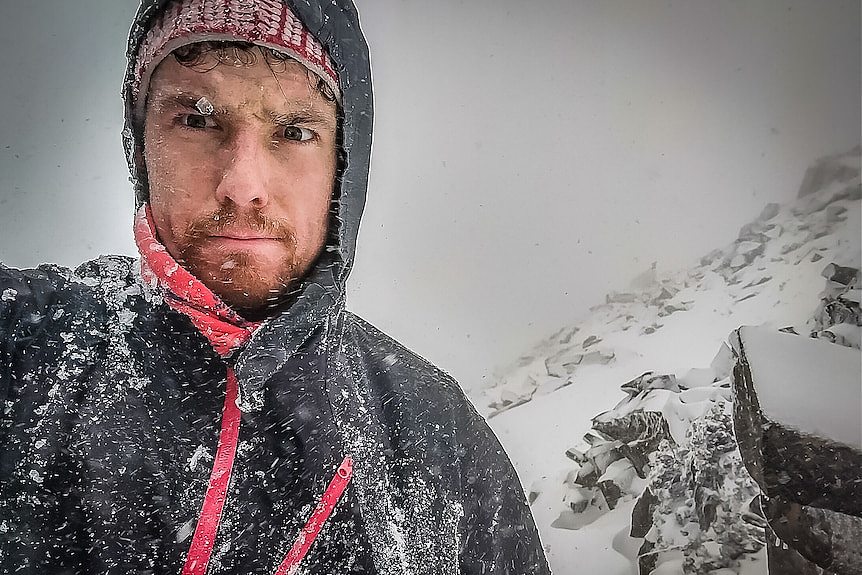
(245, 280)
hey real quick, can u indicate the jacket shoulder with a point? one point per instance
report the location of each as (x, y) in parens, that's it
(388, 359)
(38, 287)
(42, 308)
(431, 420)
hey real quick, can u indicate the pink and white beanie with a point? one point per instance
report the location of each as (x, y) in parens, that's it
(267, 23)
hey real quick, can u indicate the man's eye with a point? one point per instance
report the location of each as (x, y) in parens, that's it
(197, 121)
(296, 133)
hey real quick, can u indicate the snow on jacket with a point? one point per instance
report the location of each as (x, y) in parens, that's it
(112, 404)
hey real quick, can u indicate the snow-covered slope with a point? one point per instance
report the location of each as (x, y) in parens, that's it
(672, 324)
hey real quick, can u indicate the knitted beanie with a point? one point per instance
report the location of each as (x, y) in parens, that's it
(267, 23)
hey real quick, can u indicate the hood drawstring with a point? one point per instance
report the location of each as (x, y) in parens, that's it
(226, 331)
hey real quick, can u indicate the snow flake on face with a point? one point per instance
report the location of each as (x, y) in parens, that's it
(9, 294)
(204, 106)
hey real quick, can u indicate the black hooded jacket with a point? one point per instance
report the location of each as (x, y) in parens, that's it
(112, 405)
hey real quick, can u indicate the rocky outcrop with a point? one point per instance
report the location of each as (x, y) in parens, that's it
(798, 423)
(830, 170)
(668, 444)
(838, 317)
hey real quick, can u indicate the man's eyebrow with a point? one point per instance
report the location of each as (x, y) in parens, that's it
(304, 116)
(187, 100)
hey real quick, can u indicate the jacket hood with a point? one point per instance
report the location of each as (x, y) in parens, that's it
(335, 24)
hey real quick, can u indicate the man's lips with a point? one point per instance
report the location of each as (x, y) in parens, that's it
(242, 241)
(243, 237)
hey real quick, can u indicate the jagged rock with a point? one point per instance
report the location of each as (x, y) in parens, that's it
(801, 446)
(639, 433)
(611, 492)
(744, 253)
(773, 231)
(791, 247)
(738, 262)
(769, 212)
(852, 295)
(711, 257)
(592, 340)
(621, 297)
(838, 317)
(818, 203)
(647, 559)
(579, 504)
(825, 538)
(755, 283)
(834, 312)
(568, 335)
(753, 232)
(665, 293)
(588, 475)
(826, 171)
(835, 214)
(597, 357)
(548, 384)
(642, 514)
(648, 380)
(846, 276)
(784, 559)
(562, 363)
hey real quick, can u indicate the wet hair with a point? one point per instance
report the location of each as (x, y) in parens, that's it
(205, 56)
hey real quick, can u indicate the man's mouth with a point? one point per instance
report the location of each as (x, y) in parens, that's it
(255, 242)
(243, 236)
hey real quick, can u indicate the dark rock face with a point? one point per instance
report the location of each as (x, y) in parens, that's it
(826, 171)
(812, 485)
(784, 560)
(827, 539)
(639, 433)
(642, 514)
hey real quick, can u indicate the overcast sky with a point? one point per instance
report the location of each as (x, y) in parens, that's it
(528, 156)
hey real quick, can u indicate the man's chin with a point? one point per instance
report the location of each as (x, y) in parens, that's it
(245, 284)
(249, 298)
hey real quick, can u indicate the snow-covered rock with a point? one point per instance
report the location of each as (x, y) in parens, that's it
(798, 421)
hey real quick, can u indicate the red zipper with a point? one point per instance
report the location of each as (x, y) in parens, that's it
(206, 530)
(318, 517)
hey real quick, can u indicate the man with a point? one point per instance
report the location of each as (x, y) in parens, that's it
(213, 407)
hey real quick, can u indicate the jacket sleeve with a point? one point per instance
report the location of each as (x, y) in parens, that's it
(500, 534)
(37, 504)
(24, 298)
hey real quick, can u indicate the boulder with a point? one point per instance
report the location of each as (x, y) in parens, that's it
(769, 211)
(826, 171)
(798, 422)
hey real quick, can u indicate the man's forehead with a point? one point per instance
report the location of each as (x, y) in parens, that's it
(259, 83)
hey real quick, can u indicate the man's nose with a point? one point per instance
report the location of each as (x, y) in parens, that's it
(243, 180)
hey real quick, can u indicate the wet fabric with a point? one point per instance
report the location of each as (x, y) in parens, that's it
(112, 402)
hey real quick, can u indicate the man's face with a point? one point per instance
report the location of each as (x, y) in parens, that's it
(241, 163)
